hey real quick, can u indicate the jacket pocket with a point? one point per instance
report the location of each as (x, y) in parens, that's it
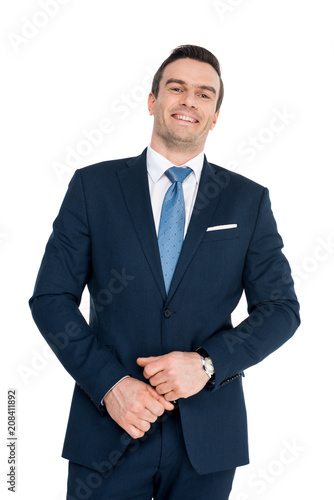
(221, 234)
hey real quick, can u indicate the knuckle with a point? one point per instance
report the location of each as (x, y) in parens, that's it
(168, 361)
(141, 397)
(134, 407)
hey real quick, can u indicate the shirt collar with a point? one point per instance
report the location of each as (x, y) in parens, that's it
(158, 164)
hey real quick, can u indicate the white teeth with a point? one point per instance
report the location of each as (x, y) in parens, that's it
(185, 118)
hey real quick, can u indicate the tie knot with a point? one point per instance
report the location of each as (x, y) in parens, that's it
(178, 174)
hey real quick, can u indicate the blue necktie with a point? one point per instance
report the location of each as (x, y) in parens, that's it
(172, 220)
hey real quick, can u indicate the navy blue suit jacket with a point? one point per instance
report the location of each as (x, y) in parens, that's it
(104, 236)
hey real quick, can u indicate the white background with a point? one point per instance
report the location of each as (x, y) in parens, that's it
(82, 62)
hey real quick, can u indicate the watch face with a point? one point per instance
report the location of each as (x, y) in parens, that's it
(209, 365)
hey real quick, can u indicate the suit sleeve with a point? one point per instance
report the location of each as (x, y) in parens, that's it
(64, 272)
(272, 304)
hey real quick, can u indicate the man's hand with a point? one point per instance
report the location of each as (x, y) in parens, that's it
(135, 405)
(175, 375)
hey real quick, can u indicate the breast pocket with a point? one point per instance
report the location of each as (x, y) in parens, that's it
(221, 234)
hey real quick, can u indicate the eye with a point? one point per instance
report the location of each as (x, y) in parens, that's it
(204, 96)
(176, 89)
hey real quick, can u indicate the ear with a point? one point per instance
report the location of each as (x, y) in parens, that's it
(151, 103)
(214, 121)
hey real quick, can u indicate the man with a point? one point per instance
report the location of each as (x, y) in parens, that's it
(166, 243)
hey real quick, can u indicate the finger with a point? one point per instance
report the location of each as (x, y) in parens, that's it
(156, 403)
(171, 396)
(153, 393)
(151, 414)
(152, 366)
(133, 431)
(139, 424)
(163, 388)
(142, 425)
(158, 378)
(145, 361)
(166, 404)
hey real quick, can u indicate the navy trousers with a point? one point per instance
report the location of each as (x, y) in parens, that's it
(155, 466)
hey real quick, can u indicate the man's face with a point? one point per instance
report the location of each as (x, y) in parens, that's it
(185, 108)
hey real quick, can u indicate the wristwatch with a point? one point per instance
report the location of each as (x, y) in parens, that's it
(207, 363)
(208, 366)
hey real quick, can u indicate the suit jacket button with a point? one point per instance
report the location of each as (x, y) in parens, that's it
(167, 313)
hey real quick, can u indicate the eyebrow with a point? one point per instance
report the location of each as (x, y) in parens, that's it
(181, 82)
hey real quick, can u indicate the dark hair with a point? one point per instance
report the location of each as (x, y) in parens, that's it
(190, 52)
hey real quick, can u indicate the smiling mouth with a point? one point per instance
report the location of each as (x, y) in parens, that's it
(184, 118)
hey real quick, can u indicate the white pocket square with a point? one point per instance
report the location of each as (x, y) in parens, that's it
(225, 226)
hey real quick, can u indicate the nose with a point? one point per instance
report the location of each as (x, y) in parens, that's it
(188, 99)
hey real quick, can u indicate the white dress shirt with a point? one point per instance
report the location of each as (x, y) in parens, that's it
(159, 183)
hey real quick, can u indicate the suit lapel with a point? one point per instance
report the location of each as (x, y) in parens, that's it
(208, 196)
(134, 184)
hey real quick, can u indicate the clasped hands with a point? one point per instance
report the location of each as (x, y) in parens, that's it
(135, 405)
